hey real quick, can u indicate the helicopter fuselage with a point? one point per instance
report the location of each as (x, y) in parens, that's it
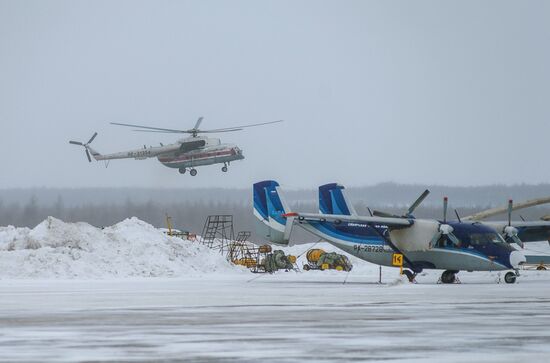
(221, 154)
(186, 153)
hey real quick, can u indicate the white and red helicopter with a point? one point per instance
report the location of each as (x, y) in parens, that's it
(186, 153)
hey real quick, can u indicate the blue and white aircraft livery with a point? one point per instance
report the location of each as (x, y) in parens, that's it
(424, 243)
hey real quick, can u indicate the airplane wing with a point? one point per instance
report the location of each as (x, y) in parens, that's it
(501, 210)
(529, 231)
(386, 221)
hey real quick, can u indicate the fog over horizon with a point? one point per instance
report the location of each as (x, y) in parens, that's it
(424, 92)
(190, 208)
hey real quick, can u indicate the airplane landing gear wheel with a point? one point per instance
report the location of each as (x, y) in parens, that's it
(510, 277)
(448, 277)
(182, 170)
(224, 168)
(410, 275)
(193, 172)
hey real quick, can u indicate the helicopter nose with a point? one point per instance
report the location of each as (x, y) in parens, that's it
(517, 258)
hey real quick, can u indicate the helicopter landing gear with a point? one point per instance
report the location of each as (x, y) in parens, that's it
(182, 170)
(510, 277)
(448, 277)
(224, 168)
(193, 172)
(410, 275)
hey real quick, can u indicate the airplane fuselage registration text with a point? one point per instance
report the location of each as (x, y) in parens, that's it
(368, 248)
(138, 154)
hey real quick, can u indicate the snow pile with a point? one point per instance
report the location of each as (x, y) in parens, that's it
(131, 248)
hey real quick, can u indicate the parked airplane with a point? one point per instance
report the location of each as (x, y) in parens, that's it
(451, 246)
(186, 153)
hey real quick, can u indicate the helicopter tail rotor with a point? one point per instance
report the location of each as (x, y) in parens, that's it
(86, 146)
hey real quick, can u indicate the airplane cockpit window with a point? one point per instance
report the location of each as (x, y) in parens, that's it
(485, 238)
(445, 242)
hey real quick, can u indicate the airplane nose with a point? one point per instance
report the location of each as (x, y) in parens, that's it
(517, 258)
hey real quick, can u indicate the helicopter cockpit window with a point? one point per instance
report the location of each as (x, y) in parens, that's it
(485, 238)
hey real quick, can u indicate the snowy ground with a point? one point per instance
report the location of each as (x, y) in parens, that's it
(286, 317)
(73, 292)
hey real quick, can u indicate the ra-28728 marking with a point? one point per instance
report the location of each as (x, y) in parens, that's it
(368, 248)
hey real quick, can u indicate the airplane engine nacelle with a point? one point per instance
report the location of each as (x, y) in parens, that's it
(416, 237)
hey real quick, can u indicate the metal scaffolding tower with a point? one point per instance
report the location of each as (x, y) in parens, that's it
(218, 232)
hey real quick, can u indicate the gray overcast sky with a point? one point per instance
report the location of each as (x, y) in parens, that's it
(447, 92)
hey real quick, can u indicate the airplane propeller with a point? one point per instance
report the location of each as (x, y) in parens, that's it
(85, 145)
(410, 211)
(417, 202)
(444, 228)
(510, 232)
(195, 131)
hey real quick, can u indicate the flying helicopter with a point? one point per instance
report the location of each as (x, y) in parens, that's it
(462, 244)
(185, 154)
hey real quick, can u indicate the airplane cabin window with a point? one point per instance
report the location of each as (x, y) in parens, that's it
(485, 238)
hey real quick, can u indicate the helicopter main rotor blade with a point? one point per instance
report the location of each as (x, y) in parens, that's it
(165, 132)
(188, 132)
(88, 155)
(217, 131)
(195, 130)
(150, 128)
(243, 126)
(199, 121)
(76, 143)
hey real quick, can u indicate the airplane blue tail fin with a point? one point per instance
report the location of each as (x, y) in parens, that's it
(269, 209)
(332, 200)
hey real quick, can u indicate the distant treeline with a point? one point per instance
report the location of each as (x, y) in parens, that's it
(385, 194)
(189, 209)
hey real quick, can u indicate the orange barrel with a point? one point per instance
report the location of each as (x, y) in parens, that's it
(314, 255)
(291, 259)
(247, 262)
(265, 249)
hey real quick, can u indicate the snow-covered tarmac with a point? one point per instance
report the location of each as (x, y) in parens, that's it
(286, 317)
(128, 292)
